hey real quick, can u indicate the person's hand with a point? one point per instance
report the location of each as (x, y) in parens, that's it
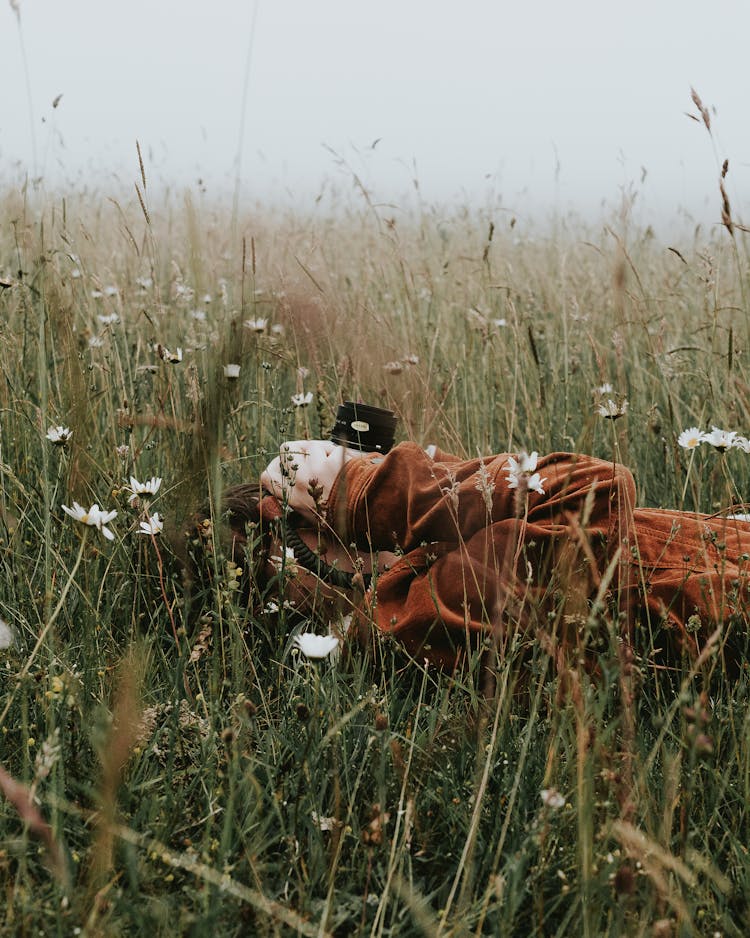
(303, 473)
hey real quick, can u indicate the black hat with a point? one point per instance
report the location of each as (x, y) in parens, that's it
(360, 426)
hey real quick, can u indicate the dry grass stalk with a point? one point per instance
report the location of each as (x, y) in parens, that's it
(726, 212)
(276, 911)
(702, 108)
(126, 728)
(143, 205)
(657, 863)
(203, 642)
(140, 164)
(22, 800)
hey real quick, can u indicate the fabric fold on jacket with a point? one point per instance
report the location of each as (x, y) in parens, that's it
(479, 559)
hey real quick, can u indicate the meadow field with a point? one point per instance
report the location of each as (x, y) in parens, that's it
(171, 765)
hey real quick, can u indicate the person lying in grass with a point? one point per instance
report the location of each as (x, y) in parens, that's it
(449, 555)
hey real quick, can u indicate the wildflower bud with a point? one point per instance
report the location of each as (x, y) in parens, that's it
(381, 722)
(704, 745)
(373, 833)
(303, 713)
(227, 736)
(250, 709)
(315, 491)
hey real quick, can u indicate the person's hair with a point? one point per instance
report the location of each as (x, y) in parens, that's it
(241, 507)
(242, 535)
(238, 534)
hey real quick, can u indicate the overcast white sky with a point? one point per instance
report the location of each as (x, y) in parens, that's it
(545, 103)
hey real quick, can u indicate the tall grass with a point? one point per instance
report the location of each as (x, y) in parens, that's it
(192, 773)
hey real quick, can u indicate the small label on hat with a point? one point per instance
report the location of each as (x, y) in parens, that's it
(360, 426)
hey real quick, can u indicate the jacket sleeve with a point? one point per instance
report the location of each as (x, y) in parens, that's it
(405, 499)
(468, 569)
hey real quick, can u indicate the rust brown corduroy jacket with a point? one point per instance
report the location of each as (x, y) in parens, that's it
(479, 559)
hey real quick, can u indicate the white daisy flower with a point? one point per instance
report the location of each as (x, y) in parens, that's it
(691, 438)
(110, 320)
(721, 440)
(552, 798)
(96, 341)
(232, 370)
(272, 606)
(59, 435)
(534, 483)
(522, 475)
(603, 389)
(94, 517)
(7, 636)
(316, 647)
(152, 525)
(174, 358)
(525, 463)
(302, 400)
(742, 442)
(324, 823)
(111, 291)
(394, 368)
(611, 410)
(277, 562)
(149, 487)
(256, 325)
